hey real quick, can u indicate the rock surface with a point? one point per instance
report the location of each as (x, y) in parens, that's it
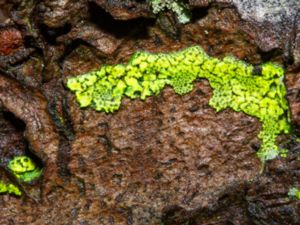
(170, 159)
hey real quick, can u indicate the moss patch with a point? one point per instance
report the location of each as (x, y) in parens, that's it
(258, 92)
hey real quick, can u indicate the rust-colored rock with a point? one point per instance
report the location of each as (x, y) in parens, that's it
(11, 40)
(12, 48)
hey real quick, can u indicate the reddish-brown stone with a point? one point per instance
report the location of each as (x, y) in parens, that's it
(11, 40)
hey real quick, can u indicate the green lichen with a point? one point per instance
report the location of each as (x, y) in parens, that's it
(294, 193)
(24, 168)
(235, 85)
(9, 189)
(178, 7)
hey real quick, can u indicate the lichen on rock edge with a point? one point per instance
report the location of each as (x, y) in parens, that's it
(258, 92)
(25, 170)
(294, 193)
(9, 188)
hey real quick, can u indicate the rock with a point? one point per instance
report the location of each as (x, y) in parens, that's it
(58, 13)
(12, 48)
(125, 10)
(102, 41)
(267, 200)
(170, 159)
(273, 24)
(293, 86)
(199, 3)
(11, 40)
(31, 108)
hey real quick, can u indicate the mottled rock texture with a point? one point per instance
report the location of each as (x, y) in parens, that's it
(274, 25)
(170, 159)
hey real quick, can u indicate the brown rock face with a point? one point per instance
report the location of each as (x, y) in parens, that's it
(293, 84)
(151, 156)
(125, 10)
(171, 159)
(160, 152)
(57, 13)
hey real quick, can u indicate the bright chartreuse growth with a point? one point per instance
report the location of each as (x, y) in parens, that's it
(235, 85)
(24, 169)
(9, 188)
(294, 193)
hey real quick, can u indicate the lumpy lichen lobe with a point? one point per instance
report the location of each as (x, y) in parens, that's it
(24, 168)
(9, 188)
(235, 85)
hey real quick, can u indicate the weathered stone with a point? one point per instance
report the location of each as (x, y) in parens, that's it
(273, 23)
(102, 41)
(170, 159)
(125, 10)
(293, 86)
(11, 40)
(31, 107)
(58, 13)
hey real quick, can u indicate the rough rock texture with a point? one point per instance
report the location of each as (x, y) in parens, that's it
(171, 159)
(267, 200)
(31, 107)
(175, 165)
(274, 24)
(124, 10)
(293, 83)
(58, 13)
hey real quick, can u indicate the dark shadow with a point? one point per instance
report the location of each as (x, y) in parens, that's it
(118, 28)
(20, 127)
(16, 122)
(175, 215)
(199, 13)
(50, 34)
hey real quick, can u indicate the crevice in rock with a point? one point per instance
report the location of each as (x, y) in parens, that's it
(119, 28)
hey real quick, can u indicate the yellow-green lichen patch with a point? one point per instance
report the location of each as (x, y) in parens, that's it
(24, 168)
(294, 193)
(235, 85)
(9, 189)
